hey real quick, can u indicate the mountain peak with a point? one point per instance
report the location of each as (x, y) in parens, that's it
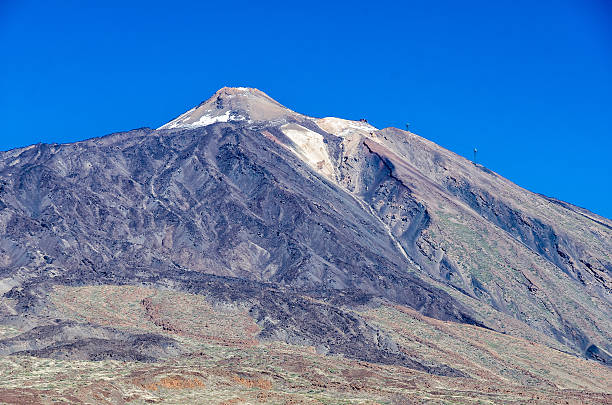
(232, 104)
(240, 91)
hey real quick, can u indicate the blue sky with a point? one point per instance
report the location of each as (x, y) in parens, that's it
(529, 83)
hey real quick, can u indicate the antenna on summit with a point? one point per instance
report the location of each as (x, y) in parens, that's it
(408, 126)
(475, 152)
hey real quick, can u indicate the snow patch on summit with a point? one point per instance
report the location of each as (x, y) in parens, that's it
(208, 120)
(203, 121)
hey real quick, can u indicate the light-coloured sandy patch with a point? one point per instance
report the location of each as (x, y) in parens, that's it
(310, 146)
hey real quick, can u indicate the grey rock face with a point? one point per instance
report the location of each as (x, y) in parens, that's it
(74, 341)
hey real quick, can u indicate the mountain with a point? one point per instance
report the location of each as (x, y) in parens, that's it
(244, 245)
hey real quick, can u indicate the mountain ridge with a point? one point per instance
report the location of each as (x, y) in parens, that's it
(316, 228)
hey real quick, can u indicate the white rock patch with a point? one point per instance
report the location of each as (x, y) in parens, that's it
(309, 146)
(341, 127)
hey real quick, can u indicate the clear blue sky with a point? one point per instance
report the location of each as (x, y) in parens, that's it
(529, 83)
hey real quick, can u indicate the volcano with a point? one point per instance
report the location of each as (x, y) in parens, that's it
(244, 250)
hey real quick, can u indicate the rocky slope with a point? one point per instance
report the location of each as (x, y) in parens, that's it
(305, 223)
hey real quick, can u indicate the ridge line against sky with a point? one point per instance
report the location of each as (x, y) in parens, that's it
(527, 84)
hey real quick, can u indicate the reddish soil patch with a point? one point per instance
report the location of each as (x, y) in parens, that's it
(260, 383)
(176, 382)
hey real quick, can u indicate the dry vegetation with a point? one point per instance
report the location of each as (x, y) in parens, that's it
(228, 366)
